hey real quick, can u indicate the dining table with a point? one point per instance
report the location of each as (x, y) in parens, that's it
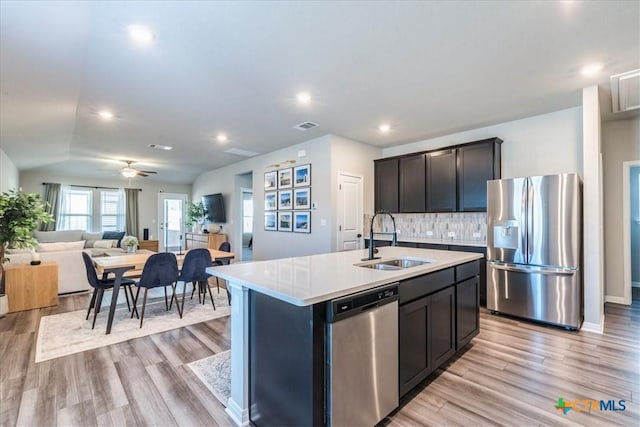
(118, 265)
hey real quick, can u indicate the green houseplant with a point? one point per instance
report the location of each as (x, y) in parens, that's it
(20, 214)
(195, 214)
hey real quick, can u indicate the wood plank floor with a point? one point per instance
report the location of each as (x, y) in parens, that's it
(511, 374)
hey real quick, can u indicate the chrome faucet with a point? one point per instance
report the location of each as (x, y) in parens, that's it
(394, 241)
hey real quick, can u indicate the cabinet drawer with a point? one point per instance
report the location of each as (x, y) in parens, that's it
(416, 287)
(468, 270)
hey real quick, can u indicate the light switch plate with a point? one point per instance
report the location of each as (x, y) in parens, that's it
(451, 234)
(429, 233)
(476, 235)
(323, 222)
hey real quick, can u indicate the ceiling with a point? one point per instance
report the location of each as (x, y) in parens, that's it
(427, 68)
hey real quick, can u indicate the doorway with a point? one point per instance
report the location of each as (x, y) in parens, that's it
(247, 224)
(171, 217)
(631, 226)
(350, 214)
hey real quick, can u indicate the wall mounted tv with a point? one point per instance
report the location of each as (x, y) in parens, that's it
(214, 208)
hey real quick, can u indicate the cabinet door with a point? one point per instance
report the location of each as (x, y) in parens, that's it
(441, 181)
(386, 185)
(442, 333)
(477, 163)
(482, 278)
(412, 184)
(467, 312)
(415, 358)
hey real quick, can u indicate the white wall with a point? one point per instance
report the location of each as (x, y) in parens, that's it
(635, 228)
(540, 145)
(8, 173)
(620, 143)
(356, 158)
(31, 182)
(274, 244)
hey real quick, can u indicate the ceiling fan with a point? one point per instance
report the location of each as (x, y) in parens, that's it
(130, 172)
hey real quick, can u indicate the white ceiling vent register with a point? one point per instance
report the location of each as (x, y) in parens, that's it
(306, 126)
(625, 91)
(241, 152)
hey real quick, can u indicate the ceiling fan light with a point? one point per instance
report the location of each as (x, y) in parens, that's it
(128, 172)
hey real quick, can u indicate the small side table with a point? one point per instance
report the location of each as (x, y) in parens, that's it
(151, 245)
(31, 286)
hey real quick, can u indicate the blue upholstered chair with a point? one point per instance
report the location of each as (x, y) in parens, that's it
(160, 270)
(100, 285)
(193, 270)
(224, 246)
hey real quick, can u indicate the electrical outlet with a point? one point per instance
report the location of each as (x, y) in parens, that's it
(476, 235)
(429, 233)
(451, 234)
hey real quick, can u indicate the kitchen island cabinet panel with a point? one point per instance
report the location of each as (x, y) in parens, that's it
(467, 312)
(443, 326)
(415, 357)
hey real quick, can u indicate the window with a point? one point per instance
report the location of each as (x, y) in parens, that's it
(91, 210)
(111, 210)
(75, 210)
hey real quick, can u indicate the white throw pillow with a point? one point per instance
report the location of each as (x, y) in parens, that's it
(105, 244)
(61, 246)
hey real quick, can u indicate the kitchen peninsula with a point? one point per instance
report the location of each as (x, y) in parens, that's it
(280, 318)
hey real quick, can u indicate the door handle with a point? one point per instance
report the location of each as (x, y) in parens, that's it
(534, 270)
(359, 235)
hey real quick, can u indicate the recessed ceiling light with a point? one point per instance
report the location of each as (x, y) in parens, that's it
(591, 69)
(221, 137)
(140, 34)
(105, 115)
(303, 97)
(384, 128)
(160, 147)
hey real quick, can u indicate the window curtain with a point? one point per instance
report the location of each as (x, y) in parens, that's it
(131, 214)
(52, 195)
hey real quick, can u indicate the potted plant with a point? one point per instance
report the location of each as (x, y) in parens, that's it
(195, 215)
(20, 215)
(131, 242)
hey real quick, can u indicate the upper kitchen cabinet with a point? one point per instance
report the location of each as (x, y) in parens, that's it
(441, 181)
(386, 184)
(412, 184)
(478, 162)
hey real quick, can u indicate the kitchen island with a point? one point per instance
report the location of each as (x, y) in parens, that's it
(279, 324)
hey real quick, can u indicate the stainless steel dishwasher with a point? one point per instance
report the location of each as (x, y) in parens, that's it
(362, 357)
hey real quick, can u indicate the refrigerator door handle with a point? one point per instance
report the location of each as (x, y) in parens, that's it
(530, 210)
(536, 270)
(525, 218)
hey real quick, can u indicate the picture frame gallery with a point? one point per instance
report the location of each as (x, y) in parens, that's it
(287, 199)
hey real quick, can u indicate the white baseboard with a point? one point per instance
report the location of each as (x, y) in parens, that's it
(594, 327)
(616, 300)
(239, 416)
(635, 284)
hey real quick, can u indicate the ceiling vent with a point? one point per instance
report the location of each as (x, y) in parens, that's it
(305, 126)
(240, 152)
(625, 91)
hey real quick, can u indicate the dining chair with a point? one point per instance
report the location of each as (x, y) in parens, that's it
(194, 268)
(226, 247)
(160, 270)
(100, 285)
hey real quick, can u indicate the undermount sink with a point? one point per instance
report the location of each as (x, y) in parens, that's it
(395, 264)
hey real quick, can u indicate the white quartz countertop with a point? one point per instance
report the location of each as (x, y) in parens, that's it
(387, 237)
(312, 279)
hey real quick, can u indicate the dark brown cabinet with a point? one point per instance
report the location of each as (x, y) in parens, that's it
(414, 357)
(443, 326)
(467, 312)
(412, 183)
(386, 184)
(452, 179)
(441, 181)
(477, 163)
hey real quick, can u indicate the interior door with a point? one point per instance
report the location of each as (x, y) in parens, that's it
(349, 212)
(171, 218)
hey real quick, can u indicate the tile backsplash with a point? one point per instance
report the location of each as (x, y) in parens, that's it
(469, 226)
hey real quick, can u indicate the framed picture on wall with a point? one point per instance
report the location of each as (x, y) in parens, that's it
(284, 199)
(302, 222)
(284, 178)
(284, 221)
(270, 221)
(302, 198)
(270, 180)
(302, 176)
(270, 201)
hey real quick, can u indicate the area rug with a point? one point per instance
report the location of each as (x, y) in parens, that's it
(215, 373)
(68, 333)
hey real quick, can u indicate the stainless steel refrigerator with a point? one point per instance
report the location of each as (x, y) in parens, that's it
(534, 248)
